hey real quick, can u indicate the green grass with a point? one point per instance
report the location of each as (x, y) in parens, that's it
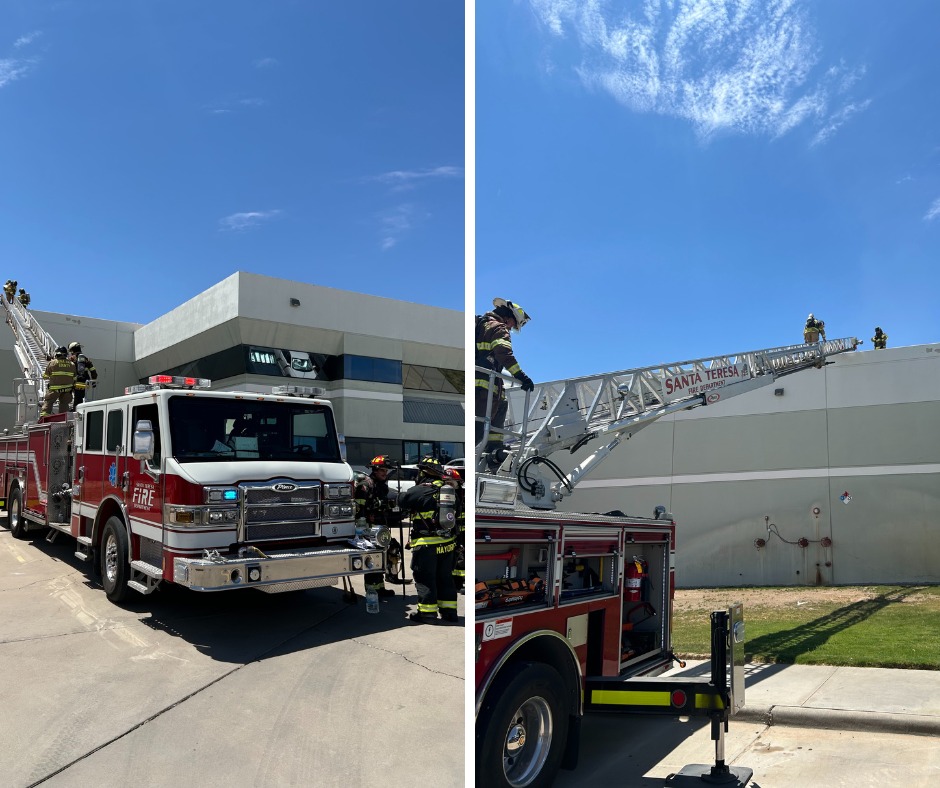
(884, 627)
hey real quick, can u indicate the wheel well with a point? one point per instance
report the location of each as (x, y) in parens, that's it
(107, 510)
(553, 651)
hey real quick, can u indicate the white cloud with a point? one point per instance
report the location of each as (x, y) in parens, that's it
(227, 106)
(265, 62)
(744, 66)
(23, 41)
(246, 220)
(406, 179)
(399, 222)
(933, 212)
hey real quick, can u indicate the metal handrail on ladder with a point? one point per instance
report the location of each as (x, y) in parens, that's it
(33, 347)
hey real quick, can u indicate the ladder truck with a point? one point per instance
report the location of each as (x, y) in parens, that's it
(574, 609)
(172, 483)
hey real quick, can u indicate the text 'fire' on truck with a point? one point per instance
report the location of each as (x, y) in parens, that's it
(574, 609)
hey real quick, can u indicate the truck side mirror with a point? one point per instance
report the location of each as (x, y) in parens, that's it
(342, 446)
(143, 442)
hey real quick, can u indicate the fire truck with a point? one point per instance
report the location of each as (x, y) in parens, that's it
(574, 609)
(174, 483)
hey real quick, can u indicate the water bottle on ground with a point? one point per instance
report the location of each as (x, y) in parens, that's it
(372, 601)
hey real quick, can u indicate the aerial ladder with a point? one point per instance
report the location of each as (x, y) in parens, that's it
(611, 408)
(32, 347)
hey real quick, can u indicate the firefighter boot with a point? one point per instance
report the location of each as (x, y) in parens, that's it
(422, 618)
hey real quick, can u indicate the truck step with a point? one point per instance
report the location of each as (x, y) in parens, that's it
(51, 534)
(144, 589)
(83, 556)
(148, 569)
(83, 540)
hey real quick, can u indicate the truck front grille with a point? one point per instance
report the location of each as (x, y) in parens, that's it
(272, 513)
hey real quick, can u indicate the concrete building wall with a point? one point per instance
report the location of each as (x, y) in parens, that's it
(868, 424)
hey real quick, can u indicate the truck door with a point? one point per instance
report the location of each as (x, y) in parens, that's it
(145, 488)
(89, 463)
(116, 444)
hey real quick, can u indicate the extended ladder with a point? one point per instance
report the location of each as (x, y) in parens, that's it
(567, 414)
(33, 347)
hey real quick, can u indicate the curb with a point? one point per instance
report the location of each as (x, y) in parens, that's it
(840, 719)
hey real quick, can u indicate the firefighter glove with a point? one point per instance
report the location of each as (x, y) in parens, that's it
(526, 381)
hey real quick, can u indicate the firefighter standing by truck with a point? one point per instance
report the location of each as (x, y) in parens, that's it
(85, 373)
(460, 572)
(431, 503)
(373, 505)
(60, 380)
(494, 351)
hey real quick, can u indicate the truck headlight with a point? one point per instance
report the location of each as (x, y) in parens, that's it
(338, 511)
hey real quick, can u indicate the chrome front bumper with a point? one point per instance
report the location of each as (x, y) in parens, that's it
(311, 568)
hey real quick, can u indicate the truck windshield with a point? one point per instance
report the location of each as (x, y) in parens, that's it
(208, 429)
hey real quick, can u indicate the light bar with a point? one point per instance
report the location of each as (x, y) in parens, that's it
(177, 381)
(297, 391)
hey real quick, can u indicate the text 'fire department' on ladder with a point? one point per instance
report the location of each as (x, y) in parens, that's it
(33, 347)
(612, 407)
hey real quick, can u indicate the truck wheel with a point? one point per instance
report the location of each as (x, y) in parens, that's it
(522, 728)
(114, 565)
(15, 514)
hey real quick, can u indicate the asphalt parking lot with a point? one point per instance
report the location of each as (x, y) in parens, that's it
(230, 689)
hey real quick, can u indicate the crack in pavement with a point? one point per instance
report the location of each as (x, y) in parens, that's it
(407, 659)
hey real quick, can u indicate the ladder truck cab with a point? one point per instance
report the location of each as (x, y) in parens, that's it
(174, 483)
(574, 609)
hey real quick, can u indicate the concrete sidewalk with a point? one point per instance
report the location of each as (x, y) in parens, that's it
(838, 698)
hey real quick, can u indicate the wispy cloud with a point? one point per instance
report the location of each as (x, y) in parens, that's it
(23, 41)
(398, 222)
(14, 68)
(933, 212)
(744, 66)
(246, 220)
(407, 179)
(228, 106)
(265, 62)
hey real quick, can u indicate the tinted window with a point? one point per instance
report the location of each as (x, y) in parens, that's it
(115, 429)
(94, 430)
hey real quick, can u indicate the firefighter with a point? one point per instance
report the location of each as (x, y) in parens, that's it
(24, 297)
(880, 340)
(432, 542)
(372, 504)
(9, 290)
(85, 373)
(814, 329)
(494, 352)
(460, 573)
(60, 380)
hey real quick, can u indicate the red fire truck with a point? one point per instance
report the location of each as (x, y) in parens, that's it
(574, 610)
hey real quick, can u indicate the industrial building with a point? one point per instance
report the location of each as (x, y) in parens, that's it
(393, 370)
(829, 477)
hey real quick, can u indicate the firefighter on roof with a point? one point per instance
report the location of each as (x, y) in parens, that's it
(433, 541)
(60, 380)
(85, 373)
(373, 505)
(494, 351)
(880, 340)
(814, 329)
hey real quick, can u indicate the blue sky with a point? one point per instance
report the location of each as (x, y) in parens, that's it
(150, 149)
(660, 181)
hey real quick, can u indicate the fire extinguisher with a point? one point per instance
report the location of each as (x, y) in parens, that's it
(637, 572)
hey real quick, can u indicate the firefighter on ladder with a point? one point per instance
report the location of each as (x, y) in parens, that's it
(494, 351)
(373, 504)
(432, 542)
(60, 380)
(85, 373)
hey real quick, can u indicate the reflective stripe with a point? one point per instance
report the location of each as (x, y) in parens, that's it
(427, 608)
(430, 540)
(514, 369)
(446, 604)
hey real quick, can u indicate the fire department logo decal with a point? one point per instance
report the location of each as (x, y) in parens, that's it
(112, 475)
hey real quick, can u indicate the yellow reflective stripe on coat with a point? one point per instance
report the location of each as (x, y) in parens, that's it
(430, 540)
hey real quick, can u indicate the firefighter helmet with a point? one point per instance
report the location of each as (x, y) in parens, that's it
(810, 316)
(61, 351)
(382, 461)
(452, 473)
(515, 311)
(877, 329)
(429, 466)
(74, 347)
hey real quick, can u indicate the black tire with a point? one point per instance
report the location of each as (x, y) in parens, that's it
(15, 520)
(115, 569)
(522, 728)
